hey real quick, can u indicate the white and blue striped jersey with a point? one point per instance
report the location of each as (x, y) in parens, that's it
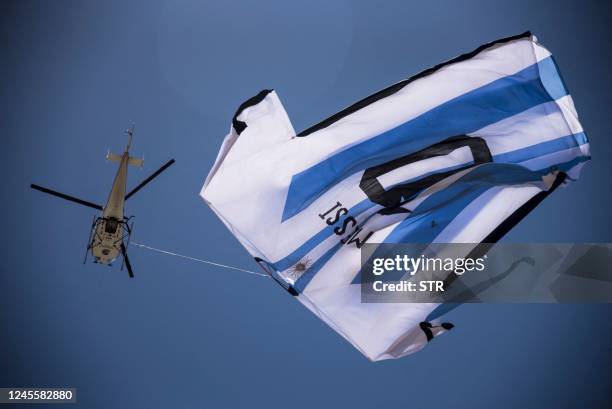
(459, 153)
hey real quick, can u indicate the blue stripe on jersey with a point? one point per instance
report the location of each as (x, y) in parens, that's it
(551, 78)
(540, 149)
(318, 238)
(440, 208)
(519, 155)
(354, 211)
(464, 114)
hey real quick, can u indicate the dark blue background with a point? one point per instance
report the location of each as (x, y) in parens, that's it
(185, 335)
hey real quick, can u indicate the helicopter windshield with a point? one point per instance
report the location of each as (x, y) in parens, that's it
(111, 226)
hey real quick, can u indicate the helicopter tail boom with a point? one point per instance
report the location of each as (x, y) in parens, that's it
(136, 162)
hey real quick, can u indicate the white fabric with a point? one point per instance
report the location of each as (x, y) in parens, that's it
(249, 183)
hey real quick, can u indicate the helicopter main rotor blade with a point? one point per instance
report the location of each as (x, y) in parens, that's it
(127, 261)
(150, 178)
(66, 197)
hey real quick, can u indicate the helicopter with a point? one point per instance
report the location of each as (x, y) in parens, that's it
(110, 232)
